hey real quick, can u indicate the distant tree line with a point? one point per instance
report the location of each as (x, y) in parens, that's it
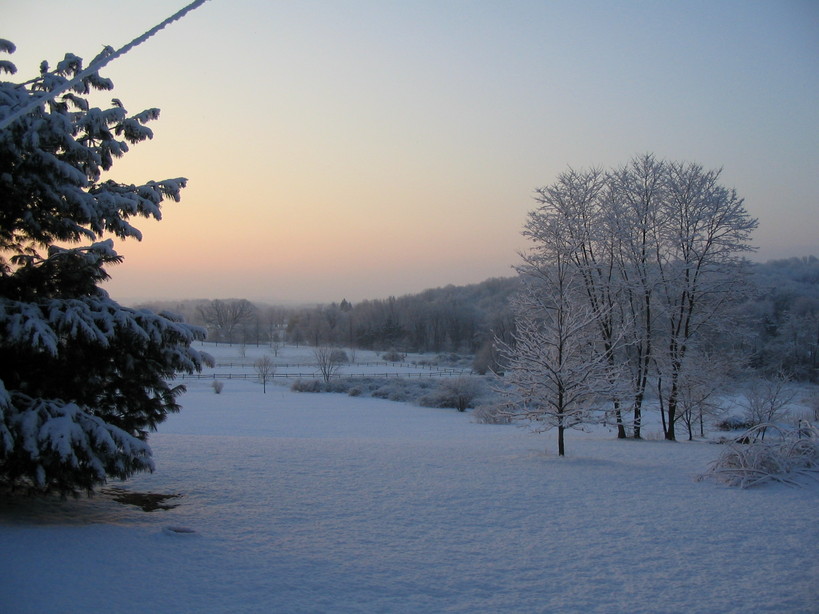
(782, 318)
(453, 319)
(779, 320)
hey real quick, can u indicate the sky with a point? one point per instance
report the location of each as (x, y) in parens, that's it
(363, 149)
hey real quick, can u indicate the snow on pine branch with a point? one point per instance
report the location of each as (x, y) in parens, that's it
(6, 438)
(46, 324)
(59, 437)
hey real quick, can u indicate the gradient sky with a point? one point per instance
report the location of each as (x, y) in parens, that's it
(362, 149)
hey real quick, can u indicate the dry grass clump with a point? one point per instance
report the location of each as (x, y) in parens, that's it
(750, 460)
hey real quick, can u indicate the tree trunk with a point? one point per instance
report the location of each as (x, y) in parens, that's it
(621, 428)
(561, 447)
(672, 409)
(662, 405)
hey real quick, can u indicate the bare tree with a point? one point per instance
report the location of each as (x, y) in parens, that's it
(704, 376)
(265, 369)
(766, 399)
(633, 205)
(576, 203)
(224, 317)
(705, 228)
(328, 360)
(275, 343)
(656, 247)
(556, 369)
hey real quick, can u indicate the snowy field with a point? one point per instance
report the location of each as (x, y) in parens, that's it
(296, 502)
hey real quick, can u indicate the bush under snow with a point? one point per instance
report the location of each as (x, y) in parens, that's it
(750, 460)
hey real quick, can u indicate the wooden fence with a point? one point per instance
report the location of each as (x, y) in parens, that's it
(317, 375)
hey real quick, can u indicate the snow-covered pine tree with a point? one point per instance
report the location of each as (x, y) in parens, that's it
(82, 378)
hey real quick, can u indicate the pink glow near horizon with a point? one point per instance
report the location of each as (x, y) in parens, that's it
(364, 150)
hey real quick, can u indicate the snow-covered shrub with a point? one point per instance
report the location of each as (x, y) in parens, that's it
(217, 386)
(733, 423)
(338, 385)
(456, 360)
(457, 392)
(448, 360)
(398, 390)
(491, 413)
(392, 356)
(786, 455)
(393, 389)
(306, 385)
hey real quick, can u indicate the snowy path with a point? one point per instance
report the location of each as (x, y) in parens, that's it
(326, 503)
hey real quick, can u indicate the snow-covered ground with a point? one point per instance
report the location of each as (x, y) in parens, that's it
(300, 502)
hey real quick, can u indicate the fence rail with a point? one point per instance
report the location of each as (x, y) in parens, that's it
(248, 364)
(316, 375)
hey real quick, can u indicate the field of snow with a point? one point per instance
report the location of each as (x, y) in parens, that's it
(295, 502)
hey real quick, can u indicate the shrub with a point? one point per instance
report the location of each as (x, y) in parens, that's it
(337, 385)
(784, 457)
(393, 356)
(491, 414)
(394, 390)
(306, 385)
(733, 423)
(766, 399)
(458, 393)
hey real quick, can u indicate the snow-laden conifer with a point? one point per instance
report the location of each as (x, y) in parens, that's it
(82, 378)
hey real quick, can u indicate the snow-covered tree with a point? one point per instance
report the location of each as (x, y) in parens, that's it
(635, 195)
(703, 377)
(704, 233)
(766, 399)
(82, 378)
(657, 249)
(557, 370)
(576, 203)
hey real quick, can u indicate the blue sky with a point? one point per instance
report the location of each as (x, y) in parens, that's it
(366, 149)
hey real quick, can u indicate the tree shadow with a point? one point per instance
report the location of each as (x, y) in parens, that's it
(146, 501)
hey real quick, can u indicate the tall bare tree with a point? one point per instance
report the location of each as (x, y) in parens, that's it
(224, 317)
(706, 229)
(636, 192)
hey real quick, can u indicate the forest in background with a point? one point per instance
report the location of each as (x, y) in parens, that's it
(779, 315)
